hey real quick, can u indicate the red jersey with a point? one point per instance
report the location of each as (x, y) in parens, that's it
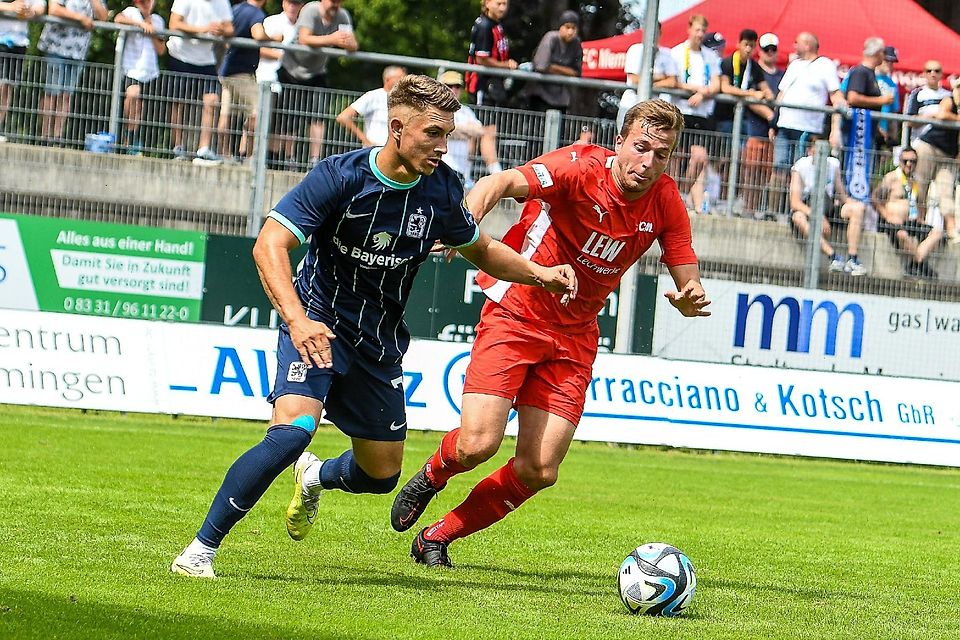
(576, 214)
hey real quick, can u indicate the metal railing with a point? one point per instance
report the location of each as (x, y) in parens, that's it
(739, 181)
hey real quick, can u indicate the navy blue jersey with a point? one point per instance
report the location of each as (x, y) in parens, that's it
(370, 235)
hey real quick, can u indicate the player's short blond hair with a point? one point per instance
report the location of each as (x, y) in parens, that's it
(421, 93)
(656, 113)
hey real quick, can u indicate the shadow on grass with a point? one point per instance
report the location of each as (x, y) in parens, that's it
(25, 615)
(804, 593)
(568, 583)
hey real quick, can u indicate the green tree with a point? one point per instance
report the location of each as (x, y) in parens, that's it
(438, 30)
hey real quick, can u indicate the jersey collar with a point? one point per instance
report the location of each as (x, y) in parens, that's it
(393, 184)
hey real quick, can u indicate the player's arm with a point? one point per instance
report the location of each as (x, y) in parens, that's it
(489, 190)
(271, 253)
(503, 263)
(689, 298)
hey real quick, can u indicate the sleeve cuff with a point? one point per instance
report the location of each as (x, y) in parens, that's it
(292, 228)
(476, 236)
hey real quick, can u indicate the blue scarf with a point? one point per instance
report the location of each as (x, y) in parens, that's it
(859, 145)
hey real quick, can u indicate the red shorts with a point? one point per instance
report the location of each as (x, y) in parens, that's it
(531, 363)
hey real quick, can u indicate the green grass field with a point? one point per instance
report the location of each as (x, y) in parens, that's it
(94, 506)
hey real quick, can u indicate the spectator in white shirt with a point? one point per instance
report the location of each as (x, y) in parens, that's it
(198, 62)
(372, 107)
(284, 25)
(698, 71)
(810, 79)
(141, 67)
(14, 41)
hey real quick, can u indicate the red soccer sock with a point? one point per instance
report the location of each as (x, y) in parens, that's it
(443, 464)
(490, 501)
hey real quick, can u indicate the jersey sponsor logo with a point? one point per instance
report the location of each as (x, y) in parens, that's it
(597, 268)
(297, 372)
(369, 259)
(603, 247)
(543, 175)
(381, 240)
(600, 212)
(416, 225)
(645, 227)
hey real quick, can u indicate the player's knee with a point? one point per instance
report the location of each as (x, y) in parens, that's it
(536, 477)
(473, 451)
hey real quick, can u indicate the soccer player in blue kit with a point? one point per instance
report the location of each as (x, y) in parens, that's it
(372, 217)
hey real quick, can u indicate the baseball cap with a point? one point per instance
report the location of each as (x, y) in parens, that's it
(890, 54)
(451, 77)
(768, 40)
(714, 40)
(569, 17)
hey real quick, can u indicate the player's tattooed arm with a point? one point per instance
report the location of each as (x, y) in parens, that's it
(271, 255)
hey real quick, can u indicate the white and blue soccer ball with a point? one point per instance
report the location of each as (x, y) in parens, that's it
(657, 579)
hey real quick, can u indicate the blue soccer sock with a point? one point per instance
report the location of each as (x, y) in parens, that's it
(345, 474)
(248, 478)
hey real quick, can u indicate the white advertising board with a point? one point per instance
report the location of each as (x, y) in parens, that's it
(132, 365)
(786, 327)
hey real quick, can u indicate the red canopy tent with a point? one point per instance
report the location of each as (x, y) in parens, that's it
(841, 29)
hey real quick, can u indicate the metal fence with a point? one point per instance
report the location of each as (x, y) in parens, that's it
(113, 160)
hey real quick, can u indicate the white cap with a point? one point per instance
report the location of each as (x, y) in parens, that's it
(769, 40)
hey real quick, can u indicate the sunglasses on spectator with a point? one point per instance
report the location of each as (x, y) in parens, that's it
(933, 70)
(908, 161)
(769, 49)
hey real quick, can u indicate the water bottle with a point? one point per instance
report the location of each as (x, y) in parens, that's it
(705, 205)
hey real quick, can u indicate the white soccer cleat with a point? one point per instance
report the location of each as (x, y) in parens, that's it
(302, 512)
(194, 564)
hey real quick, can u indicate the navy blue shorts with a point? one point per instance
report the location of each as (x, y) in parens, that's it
(362, 397)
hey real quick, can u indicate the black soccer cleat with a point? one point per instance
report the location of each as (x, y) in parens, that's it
(430, 552)
(412, 501)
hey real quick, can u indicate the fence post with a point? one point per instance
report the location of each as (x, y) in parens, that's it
(735, 137)
(818, 197)
(258, 163)
(117, 88)
(551, 130)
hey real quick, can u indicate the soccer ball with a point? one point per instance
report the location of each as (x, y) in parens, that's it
(657, 579)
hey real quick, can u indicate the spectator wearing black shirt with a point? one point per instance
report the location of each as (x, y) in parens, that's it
(238, 76)
(741, 76)
(863, 91)
(489, 47)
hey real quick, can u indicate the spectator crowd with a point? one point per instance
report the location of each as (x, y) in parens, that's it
(910, 195)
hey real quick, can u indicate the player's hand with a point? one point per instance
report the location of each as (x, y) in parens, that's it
(560, 279)
(312, 341)
(690, 301)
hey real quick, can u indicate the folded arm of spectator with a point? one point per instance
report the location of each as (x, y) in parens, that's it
(339, 39)
(18, 8)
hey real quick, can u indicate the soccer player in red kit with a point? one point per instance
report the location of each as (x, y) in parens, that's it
(600, 211)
